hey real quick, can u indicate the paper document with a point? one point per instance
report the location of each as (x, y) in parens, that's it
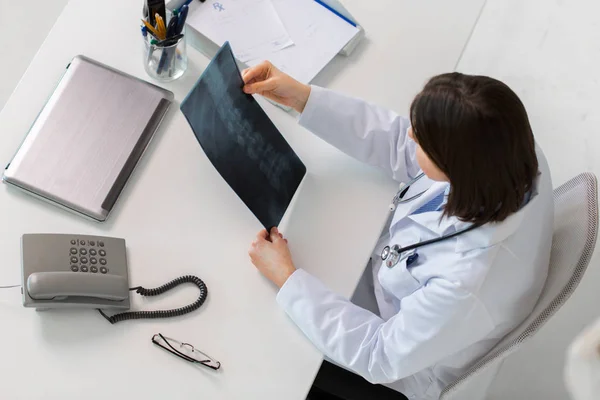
(317, 33)
(251, 26)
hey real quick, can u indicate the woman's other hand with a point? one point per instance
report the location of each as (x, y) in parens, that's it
(271, 256)
(265, 79)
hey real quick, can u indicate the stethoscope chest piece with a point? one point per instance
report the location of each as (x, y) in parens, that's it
(394, 254)
(391, 255)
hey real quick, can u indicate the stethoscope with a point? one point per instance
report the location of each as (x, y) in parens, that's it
(399, 197)
(392, 255)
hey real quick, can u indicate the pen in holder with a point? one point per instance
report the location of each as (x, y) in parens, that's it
(165, 60)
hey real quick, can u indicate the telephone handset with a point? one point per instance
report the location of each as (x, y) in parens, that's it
(66, 271)
(62, 285)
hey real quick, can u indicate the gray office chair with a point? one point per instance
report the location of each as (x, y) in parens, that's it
(575, 231)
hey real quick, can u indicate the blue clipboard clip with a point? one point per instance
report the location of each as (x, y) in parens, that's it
(337, 8)
(336, 12)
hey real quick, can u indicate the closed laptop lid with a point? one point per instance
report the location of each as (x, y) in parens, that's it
(241, 141)
(86, 141)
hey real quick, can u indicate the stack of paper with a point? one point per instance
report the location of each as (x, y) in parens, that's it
(300, 37)
(252, 27)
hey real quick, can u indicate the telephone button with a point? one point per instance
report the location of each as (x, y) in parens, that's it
(74, 259)
(84, 268)
(102, 253)
(92, 252)
(83, 260)
(103, 261)
(74, 268)
(103, 270)
(73, 250)
(83, 252)
(94, 269)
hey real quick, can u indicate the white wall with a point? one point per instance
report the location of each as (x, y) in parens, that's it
(23, 27)
(549, 53)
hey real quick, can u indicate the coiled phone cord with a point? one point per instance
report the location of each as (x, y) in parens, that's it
(160, 290)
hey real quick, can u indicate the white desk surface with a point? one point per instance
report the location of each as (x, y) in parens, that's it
(179, 217)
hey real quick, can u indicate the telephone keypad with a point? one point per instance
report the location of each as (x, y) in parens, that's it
(78, 256)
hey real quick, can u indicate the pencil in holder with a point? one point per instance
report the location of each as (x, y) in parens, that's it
(165, 60)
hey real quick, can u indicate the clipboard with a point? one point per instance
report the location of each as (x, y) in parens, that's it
(339, 7)
(209, 48)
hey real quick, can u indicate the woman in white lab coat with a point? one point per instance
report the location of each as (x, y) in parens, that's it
(442, 306)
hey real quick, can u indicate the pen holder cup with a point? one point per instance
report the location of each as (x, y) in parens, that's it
(165, 63)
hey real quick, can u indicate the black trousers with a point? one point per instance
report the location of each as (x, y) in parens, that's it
(335, 383)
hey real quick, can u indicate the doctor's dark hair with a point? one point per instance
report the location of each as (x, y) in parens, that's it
(476, 130)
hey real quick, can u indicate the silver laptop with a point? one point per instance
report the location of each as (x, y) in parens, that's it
(88, 138)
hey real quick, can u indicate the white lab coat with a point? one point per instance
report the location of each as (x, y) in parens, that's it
(582, 368)
(457, 300)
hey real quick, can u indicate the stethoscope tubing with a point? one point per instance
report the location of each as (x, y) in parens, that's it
(396, 250)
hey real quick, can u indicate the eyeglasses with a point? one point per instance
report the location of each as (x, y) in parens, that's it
(185, 351)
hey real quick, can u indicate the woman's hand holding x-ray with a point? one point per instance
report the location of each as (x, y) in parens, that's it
(271, 256)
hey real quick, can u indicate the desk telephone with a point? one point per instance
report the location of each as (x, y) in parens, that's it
(67, 271)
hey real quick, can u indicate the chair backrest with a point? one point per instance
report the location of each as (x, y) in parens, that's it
(573, 241)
